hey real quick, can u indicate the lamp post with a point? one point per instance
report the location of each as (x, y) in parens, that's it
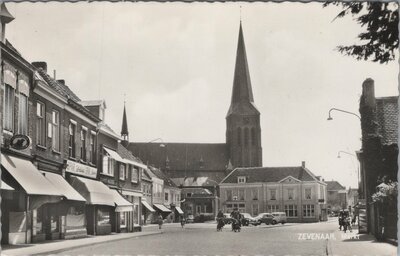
(162, 145)
(341, 110)
(358, 168)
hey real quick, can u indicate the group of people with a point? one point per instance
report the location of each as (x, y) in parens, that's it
(236, 220)
(344, 220)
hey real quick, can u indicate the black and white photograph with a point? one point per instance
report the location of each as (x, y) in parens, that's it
(152, 128)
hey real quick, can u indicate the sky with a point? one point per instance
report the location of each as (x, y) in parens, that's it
(175, 63)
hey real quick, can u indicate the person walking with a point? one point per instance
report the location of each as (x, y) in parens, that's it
(160, 221)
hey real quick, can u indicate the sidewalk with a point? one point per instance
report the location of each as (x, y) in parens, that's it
(56, 246)
(352, 243)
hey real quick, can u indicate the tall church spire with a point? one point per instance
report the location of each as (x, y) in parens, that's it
(243, 130)
(242, 93)
(124, 129)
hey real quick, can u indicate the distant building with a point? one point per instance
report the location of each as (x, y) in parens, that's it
(337, 196)
(199, 196)
(352, 198)
(293, 190)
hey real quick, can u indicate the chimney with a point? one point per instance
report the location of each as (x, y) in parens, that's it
(40, 64)
(54, 74)
(5, 17)
(61, 81)
(303, 164)
(368, 93)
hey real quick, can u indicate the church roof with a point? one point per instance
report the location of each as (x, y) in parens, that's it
(269, 174)
(124, 129)
(183, 156)
(194, 182)
(242, 101)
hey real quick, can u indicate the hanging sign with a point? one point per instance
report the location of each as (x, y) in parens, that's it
(20, 142)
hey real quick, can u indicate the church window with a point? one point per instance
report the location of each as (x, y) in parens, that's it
(253, 136)
(246, 136)
(239, 136)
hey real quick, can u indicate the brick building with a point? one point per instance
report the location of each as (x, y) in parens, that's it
(379, 156)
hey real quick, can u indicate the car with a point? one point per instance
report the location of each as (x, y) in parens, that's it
(279, 217)
(265, 218)
(227, 218)
(247, 219)
(190, 218)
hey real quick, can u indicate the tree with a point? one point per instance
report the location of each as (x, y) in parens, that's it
(381, 39)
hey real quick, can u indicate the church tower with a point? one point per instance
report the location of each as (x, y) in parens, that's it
(243, 131)
(124, 129)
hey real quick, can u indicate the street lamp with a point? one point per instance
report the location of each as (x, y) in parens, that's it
(358, 168)
(341, 110)
(162, 145)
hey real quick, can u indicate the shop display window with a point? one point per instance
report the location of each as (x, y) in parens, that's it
(103, 217)
(39, 220)
(54, 220)
(123, 219)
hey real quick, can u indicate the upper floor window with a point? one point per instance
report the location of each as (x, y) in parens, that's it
(322, 192)
(272, 194)
(40, 121)
(23, 114)
(134, 174)
(122, 171)
(8, 113)
(229, 195)
(55, 127)
(241, 194)
(307, 193)
(83, 143)
(166, 196)
(92, 142)
(290, 192)
(241, 179)
(108, 166)
(255, 194)
(72, 143)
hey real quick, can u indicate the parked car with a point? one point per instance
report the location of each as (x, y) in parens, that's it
(227, 218)
(265, 218)
(279, 217)
(190, 218)
(247, 219)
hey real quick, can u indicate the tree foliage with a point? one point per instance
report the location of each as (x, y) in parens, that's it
(380, 39)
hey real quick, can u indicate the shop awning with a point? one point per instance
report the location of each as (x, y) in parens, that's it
(179, 210)
(122, 205)
(137, 164)
(148, 206)
(132, 193)
(95, 192)
(114, 155)
(162, 208)
(28, 176)
(5, 186)
(63, 186)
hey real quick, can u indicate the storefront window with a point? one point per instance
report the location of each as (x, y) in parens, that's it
(39, 221)
(75, 217)
(103, 217)
(123, 219)
(136, 214)
(54, 224)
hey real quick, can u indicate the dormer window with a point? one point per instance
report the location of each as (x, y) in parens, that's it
(241, 179)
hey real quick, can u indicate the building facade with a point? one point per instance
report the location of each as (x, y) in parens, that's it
(379, 158)
(293, 190)
(337, 196)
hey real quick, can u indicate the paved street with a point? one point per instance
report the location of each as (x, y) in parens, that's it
(202, 239)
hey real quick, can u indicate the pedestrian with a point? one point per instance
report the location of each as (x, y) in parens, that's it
(160, 221)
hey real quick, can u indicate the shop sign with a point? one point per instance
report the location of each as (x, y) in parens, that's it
(20, 142)
(81, 169)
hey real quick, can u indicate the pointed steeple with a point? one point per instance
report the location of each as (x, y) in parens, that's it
(242, 92)
(124, 129)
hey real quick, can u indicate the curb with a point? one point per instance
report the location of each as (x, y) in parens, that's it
(83, 245)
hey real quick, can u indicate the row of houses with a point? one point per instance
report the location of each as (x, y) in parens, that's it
(65, 173)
